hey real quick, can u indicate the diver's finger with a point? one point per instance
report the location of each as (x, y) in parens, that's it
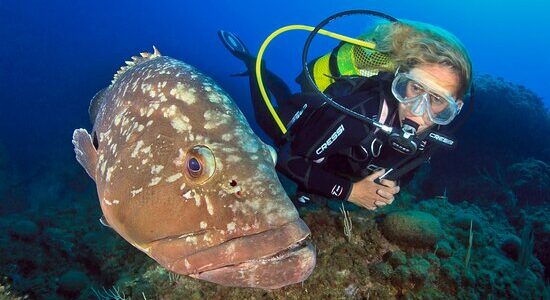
(380, 203)
(375, 175)
(392, 190)
(370, 207)
(388, 183)
(368, 204)
(386, 197)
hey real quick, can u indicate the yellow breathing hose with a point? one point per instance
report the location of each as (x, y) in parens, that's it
(277, 32)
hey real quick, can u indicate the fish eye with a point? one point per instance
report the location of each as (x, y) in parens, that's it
(200, 164)
(194, 167)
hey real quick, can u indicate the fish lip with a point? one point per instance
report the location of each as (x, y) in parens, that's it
(266, 245)
(281, 255)
(284, 253)
(291, 265)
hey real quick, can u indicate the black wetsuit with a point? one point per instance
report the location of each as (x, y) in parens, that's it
(327, 150)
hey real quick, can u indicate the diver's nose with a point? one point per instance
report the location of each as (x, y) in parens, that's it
(419, 107)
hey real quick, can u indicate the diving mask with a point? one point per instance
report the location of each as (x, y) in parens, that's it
(419, 99)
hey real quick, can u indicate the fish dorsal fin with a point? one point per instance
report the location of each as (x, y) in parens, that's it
(144, 56)
(95, 104)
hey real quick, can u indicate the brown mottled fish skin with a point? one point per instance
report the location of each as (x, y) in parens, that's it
(231, 222)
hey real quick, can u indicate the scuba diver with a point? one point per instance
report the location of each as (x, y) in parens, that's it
(406, 92)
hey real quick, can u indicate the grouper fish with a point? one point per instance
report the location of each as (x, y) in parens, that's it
(182, 177)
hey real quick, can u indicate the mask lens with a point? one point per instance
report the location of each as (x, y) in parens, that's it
(420, 99)
(405, 89)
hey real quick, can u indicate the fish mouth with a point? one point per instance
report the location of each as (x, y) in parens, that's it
(270, 259)
(291, 265)
(283, 254)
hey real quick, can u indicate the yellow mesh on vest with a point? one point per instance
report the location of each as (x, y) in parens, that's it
(351, 60)
(369, 62)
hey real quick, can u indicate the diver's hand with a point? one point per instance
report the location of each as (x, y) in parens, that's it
(371, 195)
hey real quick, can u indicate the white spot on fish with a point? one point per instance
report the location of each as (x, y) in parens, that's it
(155, 169)
(203, 225)
(116, 202)
(227, 137)
(215, 119)
(155, 181)
(208, 205)
(251, 147)
(139, 144)
(135, 192)
(146, 149)
(169, 112)
(197, 198)
(187, 195)
(184, 94)
(233, 158)
(107, 202)
(174, 177)
(180, 159)
(103, 166)
(117, 119)
(150, 112)
(109, 172)
(219, 164)
(124, 121)
(231, 227)
(191, 239)
(214, 98)
(181, 124)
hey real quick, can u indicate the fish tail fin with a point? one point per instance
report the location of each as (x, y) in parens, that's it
(85, 151)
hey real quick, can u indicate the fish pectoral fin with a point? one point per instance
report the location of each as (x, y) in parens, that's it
(85, 151)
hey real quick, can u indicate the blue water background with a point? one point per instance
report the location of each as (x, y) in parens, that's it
(55, 55)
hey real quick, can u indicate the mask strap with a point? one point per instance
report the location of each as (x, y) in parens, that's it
(396, 71)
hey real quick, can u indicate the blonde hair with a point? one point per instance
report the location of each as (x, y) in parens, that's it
(411, 43)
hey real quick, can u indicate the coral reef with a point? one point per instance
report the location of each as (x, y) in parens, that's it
(530, 181)
(508, 125)
(74, 257)
(412, 228)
